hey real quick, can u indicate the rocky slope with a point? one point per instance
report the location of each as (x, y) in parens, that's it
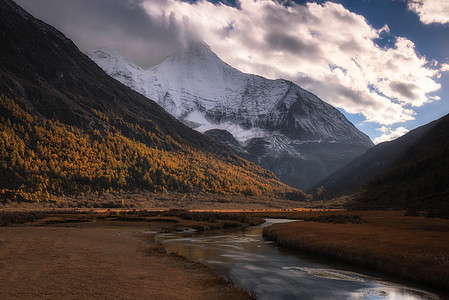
(66, 127)
(274, 123)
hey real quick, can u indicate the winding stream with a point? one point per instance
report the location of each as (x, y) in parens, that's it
(274, 273)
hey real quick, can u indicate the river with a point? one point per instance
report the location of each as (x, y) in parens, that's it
(275, 273)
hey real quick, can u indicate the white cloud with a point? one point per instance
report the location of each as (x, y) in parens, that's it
(383, 129)
(324, 48)
(431, 11)
(389, 134)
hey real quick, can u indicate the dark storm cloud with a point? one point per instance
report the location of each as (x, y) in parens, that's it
(278, 20)
(404, 89)
(285, 42)
(353, 97)
(122, 25)
(350, 46)
(278, 16)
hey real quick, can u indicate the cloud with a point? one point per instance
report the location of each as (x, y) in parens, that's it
(324, 48)
(123, 25)
(389, 134)
(383, 129)
(290, 43)
(430, 11)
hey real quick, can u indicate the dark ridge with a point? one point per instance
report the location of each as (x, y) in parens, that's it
(409, 172)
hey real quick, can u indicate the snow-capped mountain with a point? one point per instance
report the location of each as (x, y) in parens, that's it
(274, 123)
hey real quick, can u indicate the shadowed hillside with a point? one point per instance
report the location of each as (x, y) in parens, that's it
(409, 172)
(66, 127)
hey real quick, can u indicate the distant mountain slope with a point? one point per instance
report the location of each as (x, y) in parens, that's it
(411, 171)
(273, 123)
(68, 127)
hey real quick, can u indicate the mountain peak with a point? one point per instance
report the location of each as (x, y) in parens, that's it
(199, 48)
(194, 53)
(105, 51)
(111, 57)
(274, 121)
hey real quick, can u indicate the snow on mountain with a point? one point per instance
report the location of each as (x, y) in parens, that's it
(271, 119)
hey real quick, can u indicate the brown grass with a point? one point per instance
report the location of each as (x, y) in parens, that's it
(154, 201)
(93, 263)
(415, 248)
(74, 254)
(19, 217)
(158, 221)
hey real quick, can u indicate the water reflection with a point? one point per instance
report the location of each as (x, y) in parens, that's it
(258, 265)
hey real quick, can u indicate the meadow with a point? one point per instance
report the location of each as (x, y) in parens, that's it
(107, 255)
(412, 247)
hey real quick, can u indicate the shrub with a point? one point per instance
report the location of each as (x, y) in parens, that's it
(14, 217)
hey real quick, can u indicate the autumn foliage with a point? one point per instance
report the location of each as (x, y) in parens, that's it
(40, 157)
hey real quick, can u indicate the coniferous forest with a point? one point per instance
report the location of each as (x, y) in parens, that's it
(39, 156)
(68, 128)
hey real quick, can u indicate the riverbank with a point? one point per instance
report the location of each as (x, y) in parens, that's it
(414, 248)
(105, 255)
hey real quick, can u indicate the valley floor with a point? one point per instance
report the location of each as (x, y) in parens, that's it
(113, 254)
(153, 201)
(415, 248)
(99, 259)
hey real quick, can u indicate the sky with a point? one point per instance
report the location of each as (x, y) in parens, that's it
(383, 63)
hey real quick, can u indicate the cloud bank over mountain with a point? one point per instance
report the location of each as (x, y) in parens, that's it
(324, 48)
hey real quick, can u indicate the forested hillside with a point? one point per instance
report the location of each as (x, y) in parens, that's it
(419, 179)
(409, 172)
(66, 128)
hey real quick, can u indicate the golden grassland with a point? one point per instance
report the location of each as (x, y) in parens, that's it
(113, 251)
(106, 255)
(69, 263)
(415, 248)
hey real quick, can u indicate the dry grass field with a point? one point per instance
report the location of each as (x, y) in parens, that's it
(112, 254)
(152, 201)
(415, 248)
(105, 255)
